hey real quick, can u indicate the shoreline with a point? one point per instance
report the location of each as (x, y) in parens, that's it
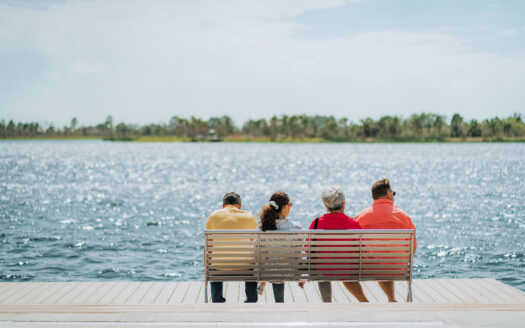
(267, 140)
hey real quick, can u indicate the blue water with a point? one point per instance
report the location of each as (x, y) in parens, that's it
(93, 210)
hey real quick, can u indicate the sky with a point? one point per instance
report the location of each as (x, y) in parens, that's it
(146, 61)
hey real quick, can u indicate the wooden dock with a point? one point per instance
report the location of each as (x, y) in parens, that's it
(173, 303)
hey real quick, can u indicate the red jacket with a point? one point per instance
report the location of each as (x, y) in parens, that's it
(335, 221)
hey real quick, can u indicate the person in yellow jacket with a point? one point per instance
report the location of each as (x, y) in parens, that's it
(231, 217)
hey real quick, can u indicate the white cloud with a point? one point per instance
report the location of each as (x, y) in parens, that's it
(145, 62)
(508, 32)
(82, 67)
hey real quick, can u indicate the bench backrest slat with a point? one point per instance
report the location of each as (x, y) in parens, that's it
(248, 255)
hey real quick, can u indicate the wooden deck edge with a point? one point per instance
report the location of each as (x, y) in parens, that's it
(210, 308)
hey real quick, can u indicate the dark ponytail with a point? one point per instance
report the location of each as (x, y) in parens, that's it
(269, 214)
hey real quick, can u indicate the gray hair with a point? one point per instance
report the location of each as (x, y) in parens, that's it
(333, 198)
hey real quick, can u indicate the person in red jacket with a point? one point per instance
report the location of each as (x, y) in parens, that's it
(385, 215)
(334, 201)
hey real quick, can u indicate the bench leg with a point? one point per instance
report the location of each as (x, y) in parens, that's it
(409, 295)
(206, 292)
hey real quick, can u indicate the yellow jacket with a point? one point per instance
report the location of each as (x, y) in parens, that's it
(231, 218)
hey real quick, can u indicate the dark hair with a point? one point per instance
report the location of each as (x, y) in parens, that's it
(380, 188)
(269, 214)
(231, 198)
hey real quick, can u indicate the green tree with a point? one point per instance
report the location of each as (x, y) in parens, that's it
(223, 126)
(456, 126)
(274, 127)
(122, 131)
(383, 125)
(197, 128)
(3, 129)
(474, 129)
(73, 124)
(438, 125)
(416, 124)
(329, 131)
(50, 131)
(370, 128)
(10, 129)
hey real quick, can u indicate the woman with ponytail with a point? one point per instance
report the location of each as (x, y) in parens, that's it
(274, 216)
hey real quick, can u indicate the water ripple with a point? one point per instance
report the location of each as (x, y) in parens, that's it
(93, 210)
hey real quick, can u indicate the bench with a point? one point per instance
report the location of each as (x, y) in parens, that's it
(309, 255)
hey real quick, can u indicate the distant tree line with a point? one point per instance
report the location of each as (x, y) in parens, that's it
(418, 127)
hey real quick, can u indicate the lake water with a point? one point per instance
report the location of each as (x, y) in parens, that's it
(93, 210)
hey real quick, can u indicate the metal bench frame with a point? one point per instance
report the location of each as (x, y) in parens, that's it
(309, 255)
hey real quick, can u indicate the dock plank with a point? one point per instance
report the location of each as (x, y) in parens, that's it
(288, 296)
(264, 297)
(152, 293)
(268, 290)
(16, 293)
(178, 294)
(374, 292)
(194, 289)
(80, 288)
(200, 295)
(112, 293)
(18, 288)
(495, 288)
(166, 293)
(139, 293)
(442, 288)
(126, 293)
(508, 290)
(425, 293)
(481, 290)
(312, 293)
(27, 294)
(298, 293)
(7, 287)
(241, 295)
(464, 291)
(230, 291)
(429, 291)
(47, 293)
(96, 296)
(401, 291)
(339, 293)
(52, 299)
(92, 289)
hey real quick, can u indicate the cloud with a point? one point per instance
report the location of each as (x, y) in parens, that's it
(509, 32)
(144, 62)
(32, 4)
(82, 67)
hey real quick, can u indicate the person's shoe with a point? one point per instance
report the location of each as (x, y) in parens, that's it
(260, 289)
